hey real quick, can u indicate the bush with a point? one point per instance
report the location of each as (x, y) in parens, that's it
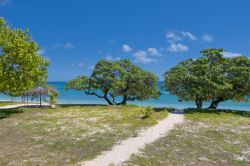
(147, 111)
(53, 98)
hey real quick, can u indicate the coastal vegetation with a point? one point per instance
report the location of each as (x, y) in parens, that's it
(128, 62)
(210, 78)
(117, 82)
(5, 103)
(147, 111)
(53, 97)
(21, 67)
(67, 135)
(207, 137)
(71, 134)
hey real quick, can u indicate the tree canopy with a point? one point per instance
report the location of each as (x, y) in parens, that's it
(21, 67)
(211, 77)
(117, 82)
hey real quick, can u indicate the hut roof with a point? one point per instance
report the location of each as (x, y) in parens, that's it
(38, 91)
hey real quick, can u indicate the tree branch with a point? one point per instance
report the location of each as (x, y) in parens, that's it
(92, 93)
(113, 98)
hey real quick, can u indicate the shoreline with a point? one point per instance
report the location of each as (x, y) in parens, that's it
(128, 105)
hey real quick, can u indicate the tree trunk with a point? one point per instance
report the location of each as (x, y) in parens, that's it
(214, 104)
(198, 103)
(124, 100)
(40, 99)
(107, 99)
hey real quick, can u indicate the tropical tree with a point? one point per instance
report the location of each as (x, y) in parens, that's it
(117, 82)
(211, 77)
(229, 77)
(21, 67)
(217, 71)
(237, 78)
(188, 81)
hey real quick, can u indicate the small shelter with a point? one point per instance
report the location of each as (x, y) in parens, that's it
(38, 93)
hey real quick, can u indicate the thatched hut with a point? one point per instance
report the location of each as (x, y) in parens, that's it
(39, 92)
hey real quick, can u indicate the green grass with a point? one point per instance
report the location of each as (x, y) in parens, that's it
(5, 103)
(67, 135)
(205, 138)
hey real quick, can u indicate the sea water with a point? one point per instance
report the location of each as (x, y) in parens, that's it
(165, 100)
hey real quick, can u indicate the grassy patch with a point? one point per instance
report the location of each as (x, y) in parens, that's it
(5, 103)
(9, 112)
(67, 135)
(205, 138)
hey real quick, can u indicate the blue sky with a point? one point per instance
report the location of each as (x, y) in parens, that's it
(154, 34)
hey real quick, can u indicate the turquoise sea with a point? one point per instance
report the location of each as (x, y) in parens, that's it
(76, 97)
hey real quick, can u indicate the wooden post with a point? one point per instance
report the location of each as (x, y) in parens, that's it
(40, 98)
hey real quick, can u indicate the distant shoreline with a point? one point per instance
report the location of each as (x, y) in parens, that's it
(165, 100)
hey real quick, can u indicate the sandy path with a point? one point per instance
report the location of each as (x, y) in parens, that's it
(122, 151)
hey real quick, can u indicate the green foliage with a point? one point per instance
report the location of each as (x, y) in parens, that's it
(21, 67)
(239, 77)
(117, 80)
(211, 77)
(147, 111)
(53, 97)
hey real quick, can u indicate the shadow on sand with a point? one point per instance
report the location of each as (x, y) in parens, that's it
(5, 113)
(8, 112)
(80, 105)
(218, 111)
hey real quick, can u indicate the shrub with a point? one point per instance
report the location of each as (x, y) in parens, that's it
(53, 98)
(147, 111)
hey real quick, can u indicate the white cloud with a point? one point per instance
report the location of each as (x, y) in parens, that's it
(5, 2)
(176, 36)
(173, 37)
(141, 57)
(154, 52)
(207, 38)
(41, 51)
(126, 48)
(67, 45)
(189, 35)
(230, 54)
(178, 47)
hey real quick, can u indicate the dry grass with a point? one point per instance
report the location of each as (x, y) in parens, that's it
(67, 135)
(5, 103)
(206, 138)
